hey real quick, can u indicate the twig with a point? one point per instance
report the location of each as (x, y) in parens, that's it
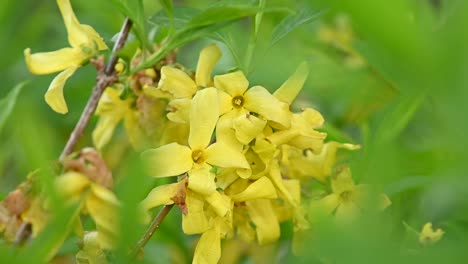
(151, 229)
(104, 80)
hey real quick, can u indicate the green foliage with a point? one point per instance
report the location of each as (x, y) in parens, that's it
(8, 102)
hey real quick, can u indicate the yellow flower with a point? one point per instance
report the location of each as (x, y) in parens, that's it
(85, 42)
(347, 199)
(112, 110)
(180, 85)
(91, 251)
(198, 158)
(99, 202)
(428, 236)
(304, 164)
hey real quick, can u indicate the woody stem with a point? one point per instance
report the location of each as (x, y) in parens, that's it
(151, 229)
(105, 79)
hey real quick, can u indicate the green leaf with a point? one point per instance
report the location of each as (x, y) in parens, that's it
(399, 117)
(8, 102)
(291, 22)
(133, 9)
(201, 25)
(168, 7)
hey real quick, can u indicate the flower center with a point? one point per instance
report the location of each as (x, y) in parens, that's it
(238, 101)
(346, 195)
(197, 156)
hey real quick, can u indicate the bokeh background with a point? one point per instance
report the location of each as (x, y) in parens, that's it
(389, 75)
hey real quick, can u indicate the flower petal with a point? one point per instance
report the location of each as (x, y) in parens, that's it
(72, 183)
(208, 250)
(327, 205)
(258, 100)
(179, 110)
(262, 214)
(248, 127)
(104, 130)
(221, 203)
(222, 155)
(177, 82)
(204, 114)
(195, 221)
(160, 195)
(291, 88)
(103, 207)
(169, 160)
(53, 61)
(209, 56)
(79, 34)
(233, 83)
(54, 95)
(343, 181)
(261, 188)
(201, 180)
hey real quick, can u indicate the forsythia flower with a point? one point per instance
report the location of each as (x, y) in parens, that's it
(85, 42)
(428, 236)
(347, 199)
(99, 202)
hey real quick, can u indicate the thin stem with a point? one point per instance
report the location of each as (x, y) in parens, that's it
(104, 80)
(151, 229)
(253, 37)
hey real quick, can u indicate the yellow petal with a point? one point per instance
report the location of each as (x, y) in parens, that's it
(208, 250)
(160, 195)
(347, 211)
(291, 88)
(203, 117)
(275, 176)
(222, 155)
(209, 56)
(343, 181)
(201, 180)
(263, 216)
(177, 82)
(224, 131)
(220, 203)
(169, 160)
(102, 206)
(104, 130)
(179, 110)
(429, 236)
(79, 34)
(91, 251)
(72, 183)
(258, 100)
(54, 61)
(327, 205)
(225, 102)
(54, 95)
(234, 83)
(261, 188)
(134, 132)
(195, 221)
(248, 127)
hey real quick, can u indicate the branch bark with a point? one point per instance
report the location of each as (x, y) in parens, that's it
(151, 229)
(104, 80)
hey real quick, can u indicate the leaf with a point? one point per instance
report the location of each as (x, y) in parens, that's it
(200, 25)
(291, 22)
(8, 102)
(168, 7)
(133, 9)
(399, 117)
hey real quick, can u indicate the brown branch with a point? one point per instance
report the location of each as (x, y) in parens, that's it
(104, 80)
(151, 229)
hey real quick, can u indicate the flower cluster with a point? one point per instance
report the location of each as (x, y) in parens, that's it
(240, 154)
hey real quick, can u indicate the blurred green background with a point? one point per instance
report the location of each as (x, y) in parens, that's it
(398, 87)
